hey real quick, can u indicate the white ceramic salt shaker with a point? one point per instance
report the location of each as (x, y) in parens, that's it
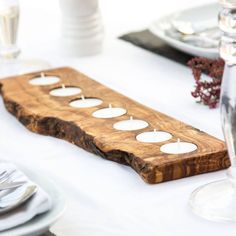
(82, 27)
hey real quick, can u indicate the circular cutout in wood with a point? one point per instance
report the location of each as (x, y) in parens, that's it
(44, 80)
(65, 91)
(130, 125)
(178, 147)
(153, 136)
(109, 112)
(85, 102)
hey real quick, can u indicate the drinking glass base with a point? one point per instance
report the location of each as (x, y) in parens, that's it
(18, 67)
(215, 201)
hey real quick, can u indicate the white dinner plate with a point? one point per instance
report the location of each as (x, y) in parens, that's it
(196, 15)
(41, 223)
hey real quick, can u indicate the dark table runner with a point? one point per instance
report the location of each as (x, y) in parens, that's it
(145, 39)
(48, 234)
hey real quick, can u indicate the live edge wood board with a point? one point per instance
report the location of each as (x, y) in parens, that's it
(48, 115)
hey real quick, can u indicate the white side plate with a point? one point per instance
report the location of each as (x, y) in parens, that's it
(40, 224)
(197, 15)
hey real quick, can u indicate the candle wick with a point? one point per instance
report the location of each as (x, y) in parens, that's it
(42, 75)
(63, 86)
(110, 106)
(82, 97)
(178, 143)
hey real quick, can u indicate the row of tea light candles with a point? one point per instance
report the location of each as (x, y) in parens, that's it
(131, 124)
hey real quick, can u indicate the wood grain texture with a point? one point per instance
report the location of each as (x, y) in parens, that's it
(48, 115)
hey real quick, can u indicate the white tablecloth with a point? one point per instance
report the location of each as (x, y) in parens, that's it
(105, 198)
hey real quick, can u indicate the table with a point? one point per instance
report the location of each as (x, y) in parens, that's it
(105, 198)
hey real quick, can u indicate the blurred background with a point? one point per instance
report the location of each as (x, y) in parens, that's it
(40, 20)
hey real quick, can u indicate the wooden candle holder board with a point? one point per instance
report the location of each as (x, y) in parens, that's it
(49, 115)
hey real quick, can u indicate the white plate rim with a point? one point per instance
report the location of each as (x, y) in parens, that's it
(188, 48)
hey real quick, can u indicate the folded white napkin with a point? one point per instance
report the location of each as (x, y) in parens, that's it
(39, 203)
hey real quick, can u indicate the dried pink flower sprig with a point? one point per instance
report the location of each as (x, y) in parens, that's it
(207, 92)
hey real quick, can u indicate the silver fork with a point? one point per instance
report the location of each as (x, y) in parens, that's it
(16, 198)
(11, 185)
(7, 177)
(3, 173)
(7, 182)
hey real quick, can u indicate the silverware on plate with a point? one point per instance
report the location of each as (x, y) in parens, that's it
(6, 186)
(7, 181)
(16, 197)
(188, 28)
(3, 173)
(184, 31)
(196, 40)
(6, 176)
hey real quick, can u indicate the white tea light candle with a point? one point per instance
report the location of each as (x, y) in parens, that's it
(131, 124)
(153, 136)
(65, 91)
(43, 80)
(178, 147)
(85, 102)
(109, 112)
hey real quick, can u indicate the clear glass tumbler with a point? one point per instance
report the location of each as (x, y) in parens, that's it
(217, 200)
(9, 51)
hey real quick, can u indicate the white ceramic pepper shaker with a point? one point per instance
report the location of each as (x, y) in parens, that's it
(82, 27)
